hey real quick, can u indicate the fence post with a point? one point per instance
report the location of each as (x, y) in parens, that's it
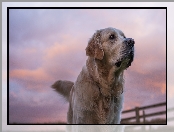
(144, 117)
(137, 115)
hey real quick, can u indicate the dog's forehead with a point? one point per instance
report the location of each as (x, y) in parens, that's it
(112, 31)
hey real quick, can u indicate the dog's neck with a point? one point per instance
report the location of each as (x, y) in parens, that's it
(108, 79)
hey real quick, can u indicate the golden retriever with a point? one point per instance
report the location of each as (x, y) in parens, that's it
(96, 97)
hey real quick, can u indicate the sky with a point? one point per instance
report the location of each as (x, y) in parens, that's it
(48, 45)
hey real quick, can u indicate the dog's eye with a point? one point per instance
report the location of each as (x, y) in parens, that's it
(112, 36)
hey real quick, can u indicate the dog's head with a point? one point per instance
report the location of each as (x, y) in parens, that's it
(112, 45)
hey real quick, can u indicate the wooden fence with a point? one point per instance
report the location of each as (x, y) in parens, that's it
(137, 116)
(157, 128)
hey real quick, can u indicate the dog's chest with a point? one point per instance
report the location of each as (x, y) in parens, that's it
(107, 108)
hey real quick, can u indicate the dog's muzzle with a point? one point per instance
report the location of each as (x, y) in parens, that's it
(129, 42)
(127, 52)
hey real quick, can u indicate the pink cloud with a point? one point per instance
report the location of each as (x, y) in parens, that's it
(48, 113)
(37, 74)
(53, 47)
(31, 79)
(135, 104)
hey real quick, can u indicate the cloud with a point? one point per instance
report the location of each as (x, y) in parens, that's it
(38, 74)
(48, 108)
(31, 79)
(48, 45)
(144, 86)
(25, 113)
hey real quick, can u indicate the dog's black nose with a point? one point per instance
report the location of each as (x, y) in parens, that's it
(129, 42)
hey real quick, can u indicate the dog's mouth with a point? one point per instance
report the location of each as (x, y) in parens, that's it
(127, 53)
(126, 60)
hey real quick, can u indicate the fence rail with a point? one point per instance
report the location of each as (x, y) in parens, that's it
(137, 116)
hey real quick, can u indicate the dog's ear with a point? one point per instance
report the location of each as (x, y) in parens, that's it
(94, 48)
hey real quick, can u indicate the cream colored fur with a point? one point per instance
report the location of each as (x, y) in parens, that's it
(96, 97)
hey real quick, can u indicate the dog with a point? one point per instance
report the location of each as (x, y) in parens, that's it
(96, 97)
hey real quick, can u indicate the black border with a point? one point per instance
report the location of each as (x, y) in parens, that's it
(8, 8)
(7, 66)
